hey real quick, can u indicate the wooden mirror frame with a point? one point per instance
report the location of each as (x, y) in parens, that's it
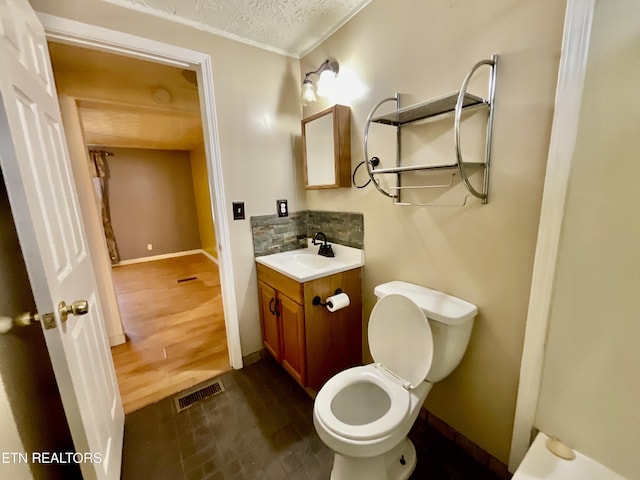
(341, 164)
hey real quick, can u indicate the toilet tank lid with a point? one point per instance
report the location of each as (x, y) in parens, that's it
(436, 305)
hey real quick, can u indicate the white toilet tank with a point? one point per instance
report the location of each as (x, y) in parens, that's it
(450, 319)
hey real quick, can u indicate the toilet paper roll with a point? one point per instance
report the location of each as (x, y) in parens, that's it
(336, 302)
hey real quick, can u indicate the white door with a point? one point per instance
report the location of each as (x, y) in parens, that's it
(35, 164)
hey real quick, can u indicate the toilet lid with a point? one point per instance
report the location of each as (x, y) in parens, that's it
(400, 338)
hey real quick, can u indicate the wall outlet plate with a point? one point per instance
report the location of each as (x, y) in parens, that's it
(238, 210)
(282, 208)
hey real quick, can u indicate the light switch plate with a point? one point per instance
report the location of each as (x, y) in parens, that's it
(238, 210)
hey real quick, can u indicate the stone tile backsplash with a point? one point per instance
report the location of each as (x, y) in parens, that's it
(273, 234)
(343, 228)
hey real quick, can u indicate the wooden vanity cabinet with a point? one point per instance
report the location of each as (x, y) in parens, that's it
(282, 319)
(311, 343)
(269, 319)
(292, 336)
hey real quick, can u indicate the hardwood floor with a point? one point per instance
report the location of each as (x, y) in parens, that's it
(174, 325)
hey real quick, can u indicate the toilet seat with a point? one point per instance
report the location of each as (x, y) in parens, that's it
(399, 398)
(401, 343)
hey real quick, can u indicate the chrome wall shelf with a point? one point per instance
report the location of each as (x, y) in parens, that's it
(437, 108)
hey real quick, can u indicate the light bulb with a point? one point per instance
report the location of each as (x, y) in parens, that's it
(308, 93)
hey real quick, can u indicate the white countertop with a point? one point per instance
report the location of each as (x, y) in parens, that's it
(305, 264)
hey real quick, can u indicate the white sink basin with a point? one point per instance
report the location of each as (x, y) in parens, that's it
(307, 260)
(305, 264)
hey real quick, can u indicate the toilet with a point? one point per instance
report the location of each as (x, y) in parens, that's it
(417, 336)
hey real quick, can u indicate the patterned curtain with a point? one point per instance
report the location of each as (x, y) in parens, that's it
(100, 173)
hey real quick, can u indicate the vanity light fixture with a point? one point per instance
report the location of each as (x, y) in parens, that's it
(327, 73)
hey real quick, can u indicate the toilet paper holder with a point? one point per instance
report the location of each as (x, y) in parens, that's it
(318, 301)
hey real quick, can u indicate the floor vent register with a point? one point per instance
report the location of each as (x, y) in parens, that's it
(194, 395)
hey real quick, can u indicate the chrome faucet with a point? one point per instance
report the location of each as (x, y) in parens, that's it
(325, 249)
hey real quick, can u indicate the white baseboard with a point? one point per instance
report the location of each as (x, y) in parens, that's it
(209, 256)
(117, 339)
(158, 257)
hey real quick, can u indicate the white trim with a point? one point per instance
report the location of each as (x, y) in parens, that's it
(118, 339)
(219, 209)
(98, 38)
(203, 27)
(337, 27)
(153, 258)
(571, 74)
(231, 36)
(209, 256)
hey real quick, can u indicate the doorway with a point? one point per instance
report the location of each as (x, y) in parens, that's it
(146, 116)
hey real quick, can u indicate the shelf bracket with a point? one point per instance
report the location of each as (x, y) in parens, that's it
(492, 63)
(366, 141)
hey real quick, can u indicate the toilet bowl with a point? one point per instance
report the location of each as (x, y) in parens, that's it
(417, 336)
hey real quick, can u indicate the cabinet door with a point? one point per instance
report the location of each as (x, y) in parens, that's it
(293, 345)
(333, 340)
(270, 320)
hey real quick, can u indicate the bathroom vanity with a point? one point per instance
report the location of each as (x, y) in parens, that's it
(310, 342)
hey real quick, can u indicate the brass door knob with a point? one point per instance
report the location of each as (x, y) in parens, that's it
(22, 320)
(79, 307)
(6, 324)
(26, 318)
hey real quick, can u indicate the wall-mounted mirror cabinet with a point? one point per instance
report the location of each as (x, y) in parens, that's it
(326, 148)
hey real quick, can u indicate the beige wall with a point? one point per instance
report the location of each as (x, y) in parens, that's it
(152, 202)
(31, 414)
(203, 200)
(590, 389)
(258, 115)
(483, 254)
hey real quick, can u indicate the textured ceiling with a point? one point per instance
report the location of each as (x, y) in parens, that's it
(287, 26)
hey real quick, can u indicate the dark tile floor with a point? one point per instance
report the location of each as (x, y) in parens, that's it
(260, 427)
